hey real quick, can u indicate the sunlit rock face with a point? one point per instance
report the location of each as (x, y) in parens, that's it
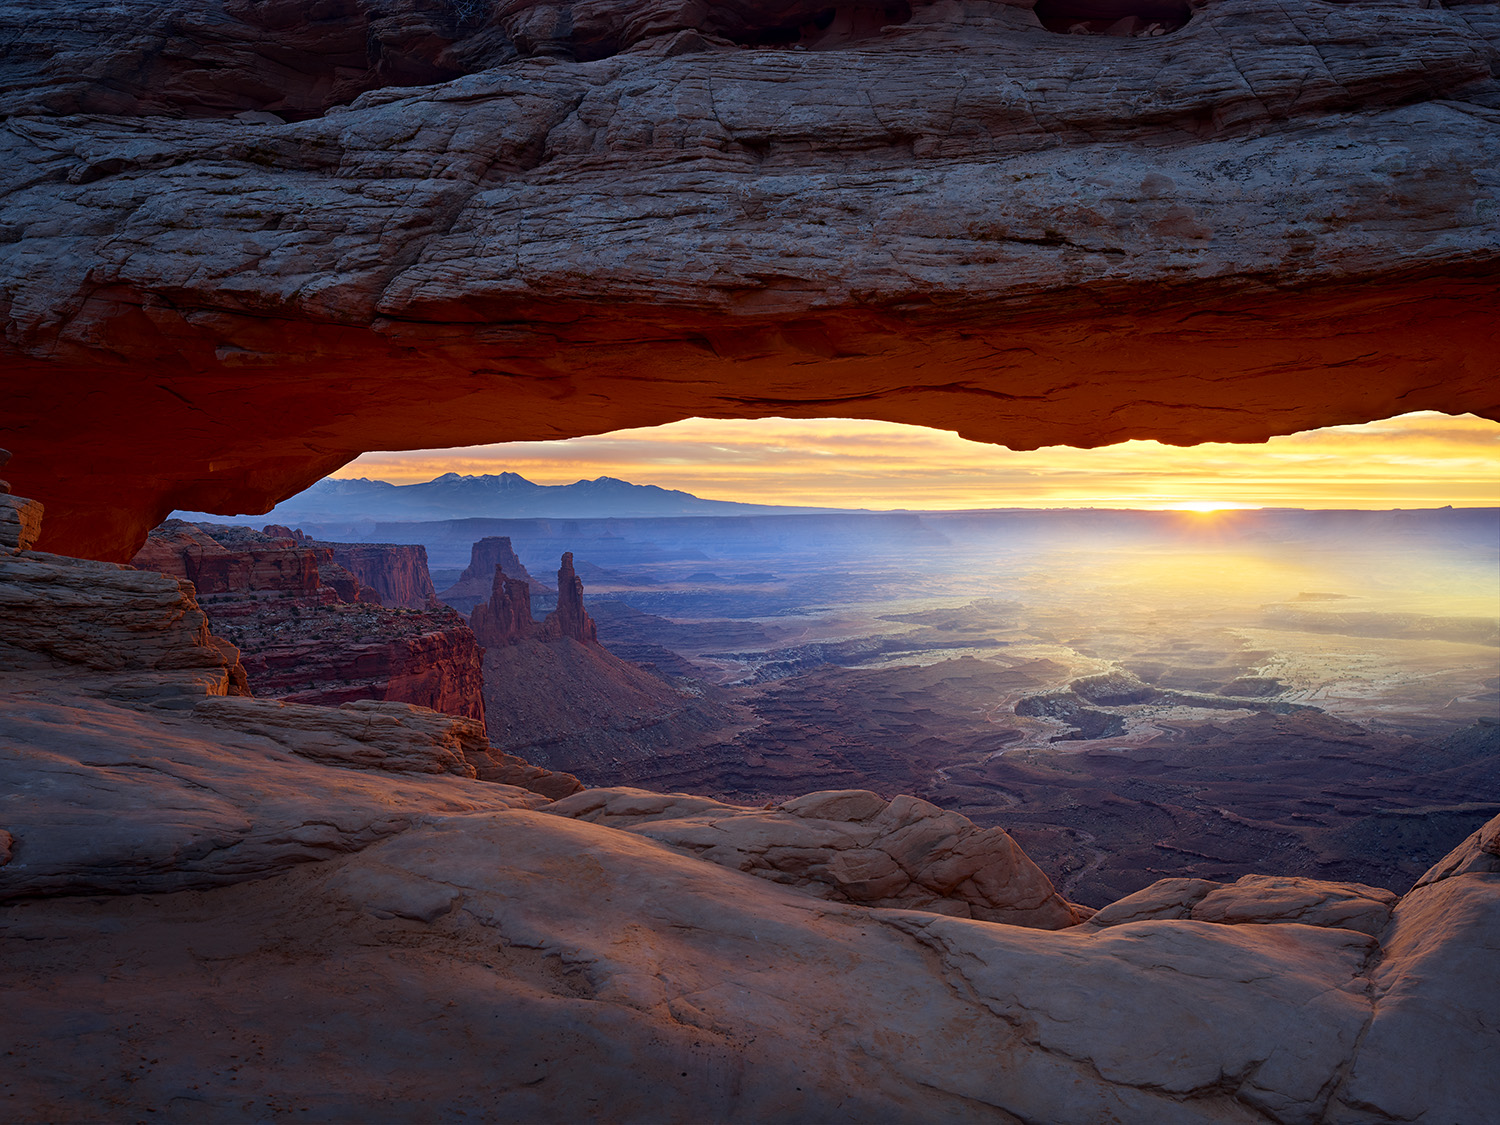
(595, 215)
(848, 846)
(506, 618)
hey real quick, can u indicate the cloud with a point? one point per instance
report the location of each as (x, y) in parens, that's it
(1414, 460)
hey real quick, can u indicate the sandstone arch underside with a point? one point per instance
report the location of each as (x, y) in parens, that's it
(239, 247)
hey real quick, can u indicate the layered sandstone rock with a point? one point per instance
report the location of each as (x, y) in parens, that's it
(140, 635)
(1436, 986)
(307, 641)
(399, 737)
(475, 583)
(346, 584)
(20, 523)
(235, 561)
(120, 800)
(569, 619)
(396, 572)
(366, 734)
(602, 215)
(508, 769)
(848, 846)
(506, 618)
(632, 976)
(348, 653)
(1259, 900)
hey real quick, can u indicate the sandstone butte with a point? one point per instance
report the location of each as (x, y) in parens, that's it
(478, 580)
(375, 916)
(242, 242)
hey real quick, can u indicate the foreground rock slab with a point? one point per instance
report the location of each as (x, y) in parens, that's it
(1257, 899)
(511, 965)
(128, 633)
(849, 846)
(101, 796)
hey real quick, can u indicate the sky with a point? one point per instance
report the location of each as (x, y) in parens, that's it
(1417, 460)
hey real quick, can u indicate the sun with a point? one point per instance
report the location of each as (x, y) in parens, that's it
(1206, 507)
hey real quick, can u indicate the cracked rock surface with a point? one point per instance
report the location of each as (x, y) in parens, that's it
(103, 797)
(573, 217)
(588, 967)
(125, 766)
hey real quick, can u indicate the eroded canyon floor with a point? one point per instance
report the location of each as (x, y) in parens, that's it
(1319, 687)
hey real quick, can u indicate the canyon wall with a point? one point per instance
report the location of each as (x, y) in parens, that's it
(435, 662)
(301, 640)
(236, 562)
(393, 574)
(598, 215)
(397, 572)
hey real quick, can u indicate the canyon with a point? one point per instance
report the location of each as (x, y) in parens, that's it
(1133, 695)
(556, 695)
(310, 630)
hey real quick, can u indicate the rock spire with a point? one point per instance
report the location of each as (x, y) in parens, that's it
(570, 619)
(506, 617)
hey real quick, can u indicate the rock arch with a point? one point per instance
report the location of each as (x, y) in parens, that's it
(1280, 217)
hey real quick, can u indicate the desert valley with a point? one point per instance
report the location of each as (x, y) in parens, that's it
(463, 797)
(1132, 695)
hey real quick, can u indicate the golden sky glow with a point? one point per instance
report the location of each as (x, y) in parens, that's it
(1416, 460)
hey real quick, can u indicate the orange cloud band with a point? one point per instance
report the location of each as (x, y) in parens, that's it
(1416, 460)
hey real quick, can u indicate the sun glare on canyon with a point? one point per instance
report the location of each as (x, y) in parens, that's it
(1415, 460)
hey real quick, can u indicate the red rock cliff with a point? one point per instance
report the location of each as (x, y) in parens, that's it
(506, 618)
(234, 561)
(366, 652)
(570, 619)
(397, 572)
(300, 640)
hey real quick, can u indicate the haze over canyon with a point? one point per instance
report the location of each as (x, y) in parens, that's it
(473, 798)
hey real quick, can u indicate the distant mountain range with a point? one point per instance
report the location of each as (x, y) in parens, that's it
(504, 495)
